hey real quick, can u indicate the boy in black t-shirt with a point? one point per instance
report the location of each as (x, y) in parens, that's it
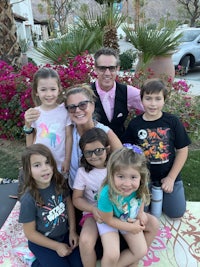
(165, 143)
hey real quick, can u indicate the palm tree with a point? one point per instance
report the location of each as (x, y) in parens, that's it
(77, 41)
(113, 21)
(90, 33)
(9, 47)
(137, 13)
(107, 20)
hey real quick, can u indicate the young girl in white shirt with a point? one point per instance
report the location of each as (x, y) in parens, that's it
(95, 148)
(49, 122)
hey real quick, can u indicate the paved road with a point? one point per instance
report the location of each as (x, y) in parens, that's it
(193, 78)
(194, 74)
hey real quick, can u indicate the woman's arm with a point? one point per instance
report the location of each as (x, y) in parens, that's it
(34, 236)
(68, 149)
(114, 141)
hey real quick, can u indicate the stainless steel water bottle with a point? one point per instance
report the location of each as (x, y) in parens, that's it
(156, 201)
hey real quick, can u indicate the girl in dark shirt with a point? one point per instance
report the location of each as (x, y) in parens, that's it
(47, 212)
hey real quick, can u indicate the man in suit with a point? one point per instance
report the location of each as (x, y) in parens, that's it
(114, 100)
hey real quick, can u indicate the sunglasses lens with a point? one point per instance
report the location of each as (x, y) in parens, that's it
(99, 151)
(104, 68)
(112, 68)
(71, 109)
(83, 105)
(87, 154)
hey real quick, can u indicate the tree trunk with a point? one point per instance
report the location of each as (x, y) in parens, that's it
(9, 47)
(192, 22)
(137, 13)
(110, 38)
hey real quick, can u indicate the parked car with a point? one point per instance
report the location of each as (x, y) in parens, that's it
(187, 54)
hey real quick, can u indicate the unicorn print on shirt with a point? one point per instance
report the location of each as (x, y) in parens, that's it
(50, 133)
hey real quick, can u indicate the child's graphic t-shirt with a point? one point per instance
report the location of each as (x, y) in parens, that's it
(51, 218)
(124, 208)
(159, 139)
(51, 131)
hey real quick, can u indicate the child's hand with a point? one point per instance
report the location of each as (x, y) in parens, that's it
(65, 167)
(137, 227)
(63, 250)
(73, 239)
(97, 215)
(130, 220)
(143, 218)
(167, 184)
(31, 115)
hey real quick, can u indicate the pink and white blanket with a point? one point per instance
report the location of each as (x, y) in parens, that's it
(177, 243)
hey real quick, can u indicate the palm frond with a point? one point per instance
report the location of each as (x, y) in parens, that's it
(92, 20)
(74, 43)
(152, 42)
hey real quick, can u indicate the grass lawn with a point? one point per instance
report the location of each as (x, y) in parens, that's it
(190, 175)
(10, 158)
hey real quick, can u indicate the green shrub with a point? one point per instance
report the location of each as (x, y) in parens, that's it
(126, 59)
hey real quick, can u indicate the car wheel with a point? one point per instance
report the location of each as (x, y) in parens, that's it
(185, 63)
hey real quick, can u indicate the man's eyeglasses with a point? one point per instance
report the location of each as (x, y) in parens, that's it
(81, 105)
(97, 152)
(104, 68)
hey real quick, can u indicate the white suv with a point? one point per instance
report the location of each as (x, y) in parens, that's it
(188, 52)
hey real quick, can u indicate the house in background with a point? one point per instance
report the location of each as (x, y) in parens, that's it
(40, 19)
(28, 27)
(19, 20)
